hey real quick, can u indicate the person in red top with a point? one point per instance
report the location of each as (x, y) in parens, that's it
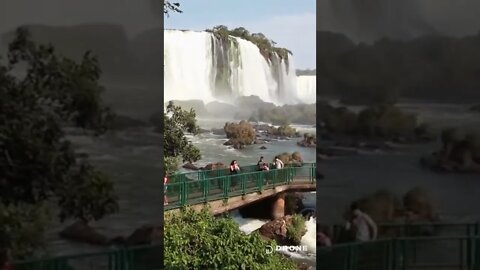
(5, 261)
(165, 182)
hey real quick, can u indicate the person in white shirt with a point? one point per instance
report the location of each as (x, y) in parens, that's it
(278, 163)
(362, 225)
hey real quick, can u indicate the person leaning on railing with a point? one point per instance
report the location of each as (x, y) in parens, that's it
(234, 169)
(361, 224)
(165, 182)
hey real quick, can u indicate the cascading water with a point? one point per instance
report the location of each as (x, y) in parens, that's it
(201, 66)
(307, 88)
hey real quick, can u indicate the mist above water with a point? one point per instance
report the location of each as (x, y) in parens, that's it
(369, 20)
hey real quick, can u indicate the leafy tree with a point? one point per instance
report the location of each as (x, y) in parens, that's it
(198, 240)
(169, 6)
(40, 94)
(177, 123)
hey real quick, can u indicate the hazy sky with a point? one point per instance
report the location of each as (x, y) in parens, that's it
(135, 15)
(289, 23)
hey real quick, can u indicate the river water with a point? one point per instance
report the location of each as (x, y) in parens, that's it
(348, 178)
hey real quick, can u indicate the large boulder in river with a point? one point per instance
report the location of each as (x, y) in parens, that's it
(418, 201)
(287, 230)
(145, 235)
(215, 166)
(293, 159)
(82, 232)
(381, 206)
(240, 134)
(190, 166)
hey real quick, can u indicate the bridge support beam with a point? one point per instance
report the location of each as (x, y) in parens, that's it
(278, 209)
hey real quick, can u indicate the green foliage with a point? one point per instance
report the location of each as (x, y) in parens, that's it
(296, 229)
(198, 240)
(37, 161)
(87, 195)
(22, 228)
(284, 130)
(266, 46)
(384, 121)
(294, 158)
(169, 6)
(287, 114)
(177, 123)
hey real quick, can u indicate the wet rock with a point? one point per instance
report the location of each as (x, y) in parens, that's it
(218, 131)
(304, 266)
(381, 206)
(234, 143)
(263, 147)
(82, 232)
(145, 235)
(419, 202)
(190, 166)
(215, 166)
(278, 230)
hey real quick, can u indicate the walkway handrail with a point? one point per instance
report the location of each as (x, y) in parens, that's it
(203, 174)
(204, 190)
(139, 257)
(404, 253)
(407, 229)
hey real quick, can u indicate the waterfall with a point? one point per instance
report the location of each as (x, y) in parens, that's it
(307, 88)
(200, 66)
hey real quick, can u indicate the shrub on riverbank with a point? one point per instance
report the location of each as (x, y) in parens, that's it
(294, 158)
(386, 121)
(296, 229)
(287, 114)
(198, 240)
(283, 131)
(460, 152)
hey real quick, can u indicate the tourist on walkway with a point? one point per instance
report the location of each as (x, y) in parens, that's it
(323, 237)
(234, 169)
(264, 167)
(279, 163)
(260, 164)
(165, 182)
(361, 225)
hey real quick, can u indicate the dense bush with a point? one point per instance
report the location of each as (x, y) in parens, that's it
(287, 114)
(384, 121)
(240, 134)
(177, 123)
(283, 130)
(196, 240)
(296, 229)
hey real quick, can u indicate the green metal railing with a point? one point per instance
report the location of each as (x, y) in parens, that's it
(137, 258)
(185, 191)
(405, 253)
(395, 230)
